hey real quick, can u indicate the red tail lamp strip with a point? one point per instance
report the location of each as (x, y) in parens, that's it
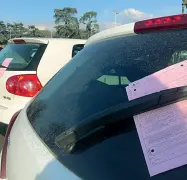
(169, 22)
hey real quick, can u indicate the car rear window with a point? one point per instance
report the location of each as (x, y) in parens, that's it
(95, 80)
(24, 56)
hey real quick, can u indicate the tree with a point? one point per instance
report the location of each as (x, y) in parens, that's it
(47, 33)
(2, 27)
(94, 28)
(67, 24)
(89, 19)
(18, 30)
(9, 28)
(3, 31)
(34, 32)
(184, 5)
(83, 34)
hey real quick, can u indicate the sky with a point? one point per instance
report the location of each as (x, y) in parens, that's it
(40, 12)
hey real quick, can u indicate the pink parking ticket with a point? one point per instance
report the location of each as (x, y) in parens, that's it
(7, 61)
(163, 131)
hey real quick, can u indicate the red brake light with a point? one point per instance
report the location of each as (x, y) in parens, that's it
(24, 85)
(18, 41)
(4, 150)
(169, 22)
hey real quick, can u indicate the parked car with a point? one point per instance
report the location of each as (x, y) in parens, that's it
(26, 65)
(71, 129)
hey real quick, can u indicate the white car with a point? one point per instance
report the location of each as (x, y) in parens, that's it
(75, 128)
(26, 65)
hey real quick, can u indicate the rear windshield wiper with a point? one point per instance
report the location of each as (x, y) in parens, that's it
(68, 139)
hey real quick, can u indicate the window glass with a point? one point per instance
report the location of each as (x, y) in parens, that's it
(21, 54)
(77, 48)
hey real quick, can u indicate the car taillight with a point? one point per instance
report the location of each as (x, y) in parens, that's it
(24, 85)
(4, 150)
(169, 22)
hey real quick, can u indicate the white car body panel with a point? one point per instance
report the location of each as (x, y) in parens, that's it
(28, 158)
(56, 55)
(124, 30)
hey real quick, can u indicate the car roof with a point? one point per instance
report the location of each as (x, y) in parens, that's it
(47, 40)
(123, 30)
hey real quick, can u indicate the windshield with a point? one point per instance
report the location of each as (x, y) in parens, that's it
(21, 54)
(95, 80)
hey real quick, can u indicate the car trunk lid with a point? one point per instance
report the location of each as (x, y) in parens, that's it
(19, 57)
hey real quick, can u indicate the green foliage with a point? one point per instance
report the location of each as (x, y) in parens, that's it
(83, 34)
(67, 25)
(89, 19)
(2, 27)
(65, 15)
(17, 30)
(47, 33)
(3, 31)
(34, 32)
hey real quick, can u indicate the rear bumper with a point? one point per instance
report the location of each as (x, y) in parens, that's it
(7, 113)
(7, 110)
